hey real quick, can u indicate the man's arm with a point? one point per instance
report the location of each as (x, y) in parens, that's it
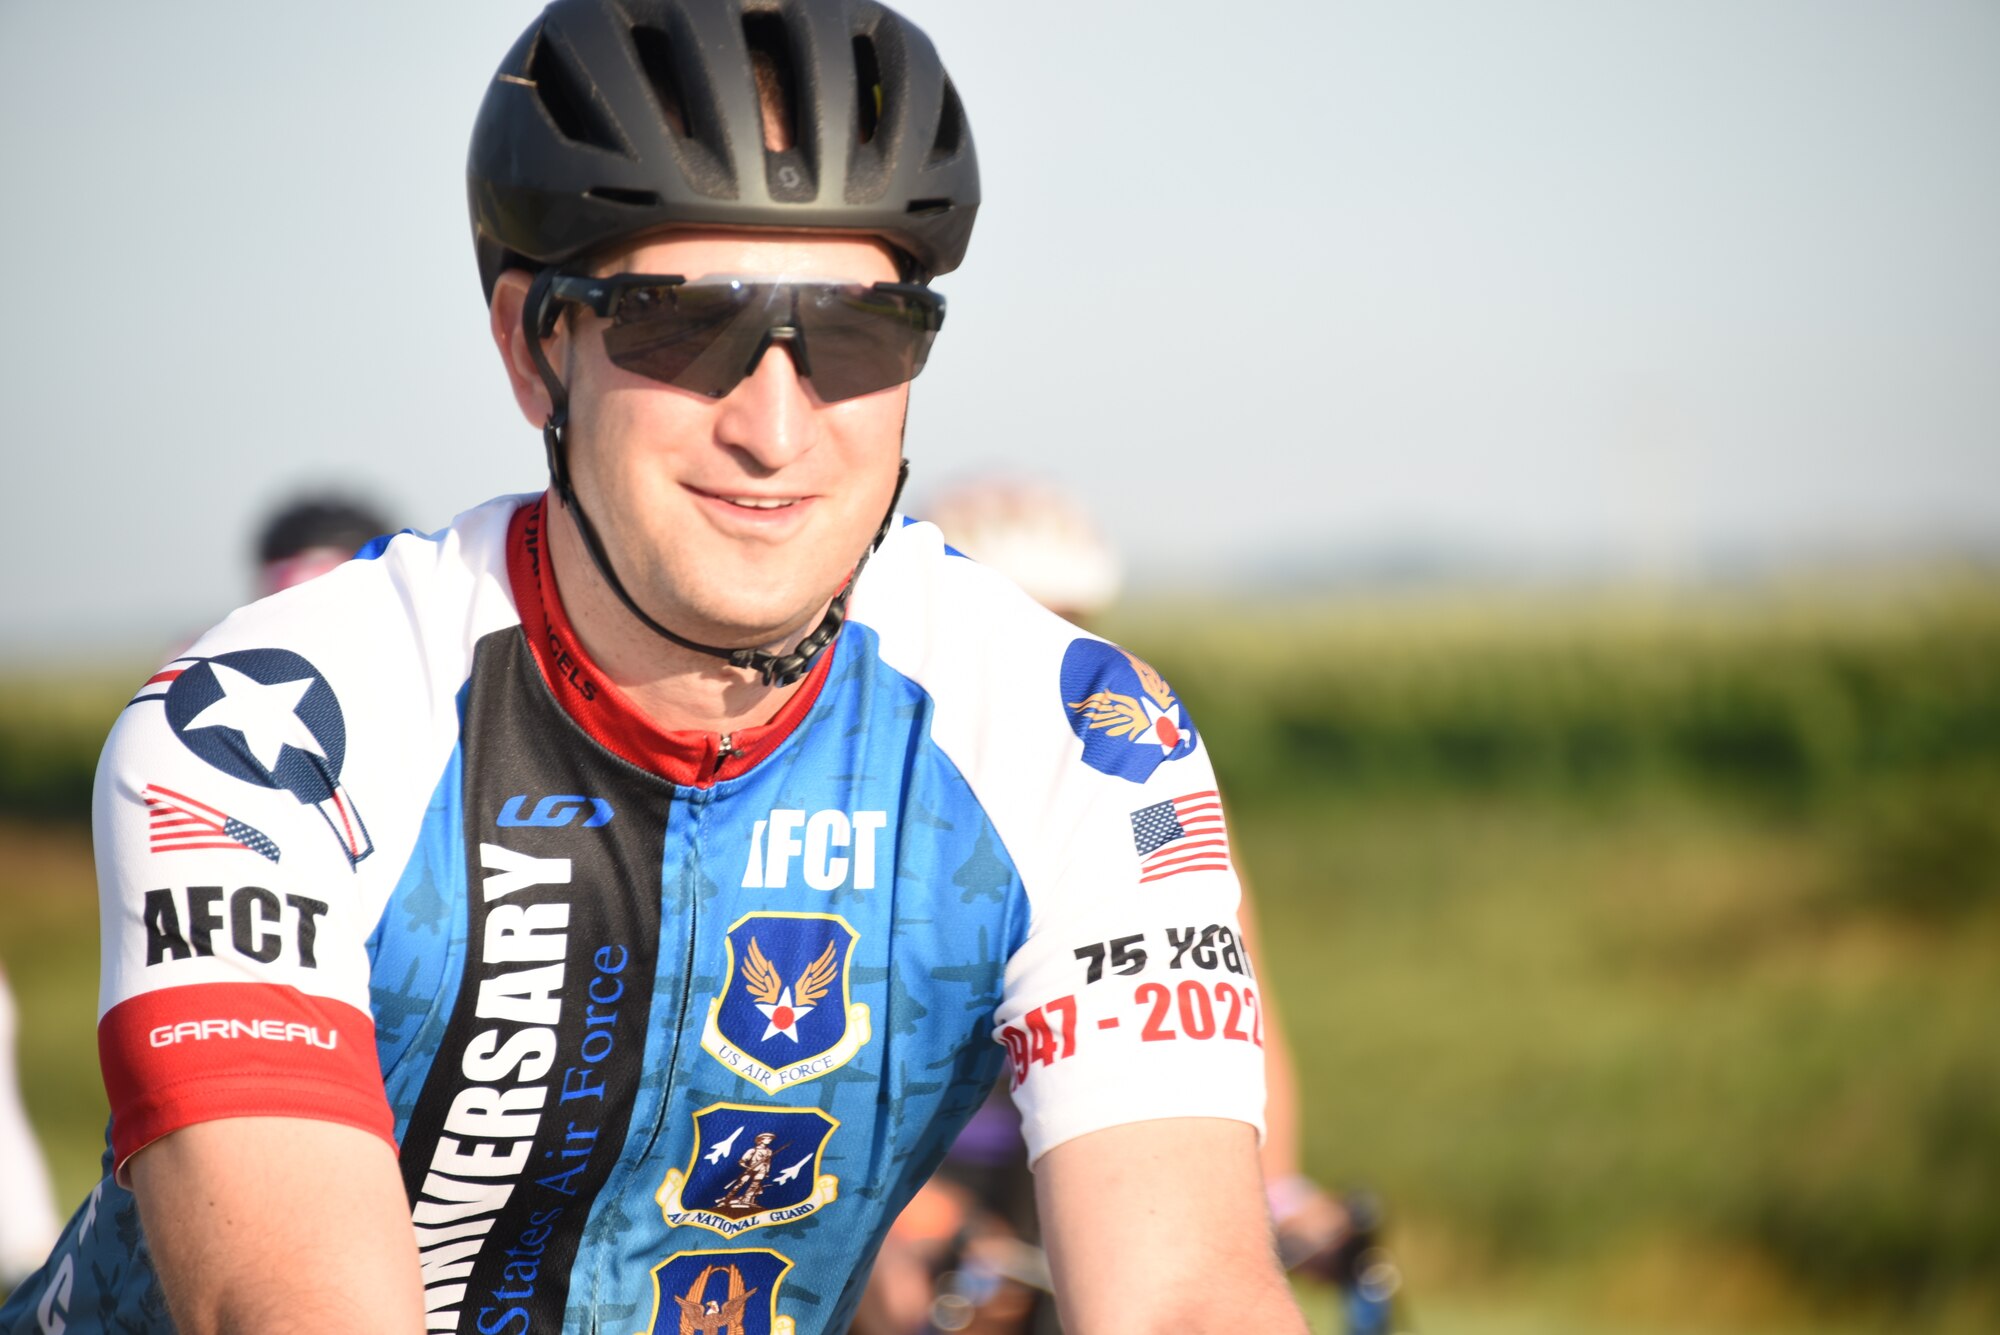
(1161, 1226)
(277, 1224)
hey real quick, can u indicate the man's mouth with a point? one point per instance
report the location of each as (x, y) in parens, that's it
(756, 504)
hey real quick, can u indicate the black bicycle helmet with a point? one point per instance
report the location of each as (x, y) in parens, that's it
(612, 118)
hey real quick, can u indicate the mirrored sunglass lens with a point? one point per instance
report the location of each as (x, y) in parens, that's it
(701, 336)
(686, 335)
(862, 340)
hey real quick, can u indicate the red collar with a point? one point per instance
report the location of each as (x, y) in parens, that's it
(691, 758)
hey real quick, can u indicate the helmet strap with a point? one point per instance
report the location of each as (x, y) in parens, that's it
(538, 317)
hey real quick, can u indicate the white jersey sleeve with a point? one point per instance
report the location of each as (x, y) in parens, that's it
(1131, 997)
(253, 807)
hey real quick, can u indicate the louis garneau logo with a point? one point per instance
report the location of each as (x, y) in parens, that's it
(555, 812)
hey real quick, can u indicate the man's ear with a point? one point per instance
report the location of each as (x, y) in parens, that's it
(510, 293)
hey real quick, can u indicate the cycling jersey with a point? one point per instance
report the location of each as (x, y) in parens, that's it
(665, 1027)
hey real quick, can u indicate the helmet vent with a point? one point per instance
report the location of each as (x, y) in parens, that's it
(611, 194)
(777, 82)
(656, 57)
(788, 165)
(868, 85)
(951, 128)
(576, 113)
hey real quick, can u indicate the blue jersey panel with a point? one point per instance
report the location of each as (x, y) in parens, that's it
(417, 952)
(847, 911)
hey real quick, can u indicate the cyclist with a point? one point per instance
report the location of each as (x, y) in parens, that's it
(471, 908)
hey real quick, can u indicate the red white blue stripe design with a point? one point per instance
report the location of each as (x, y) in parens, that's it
(157, 685)
(1181, 835)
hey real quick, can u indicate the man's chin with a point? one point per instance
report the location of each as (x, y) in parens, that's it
(738, 626)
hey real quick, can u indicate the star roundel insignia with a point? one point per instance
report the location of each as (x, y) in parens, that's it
(775, 1002)
(784, 1016)
(265, 713)
(269, 718)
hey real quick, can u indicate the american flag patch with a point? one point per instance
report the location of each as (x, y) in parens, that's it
(178, 823)
(1184, 834)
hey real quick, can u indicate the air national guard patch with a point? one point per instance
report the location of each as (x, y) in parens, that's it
(751, 1167)
(1129, 719)
(783, 1017)
(719, 1293)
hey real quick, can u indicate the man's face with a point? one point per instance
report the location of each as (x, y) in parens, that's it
(731, 520)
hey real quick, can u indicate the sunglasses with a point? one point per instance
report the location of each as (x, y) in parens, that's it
(847, 339)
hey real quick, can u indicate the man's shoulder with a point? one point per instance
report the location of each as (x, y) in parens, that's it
(347, 681)
(1032, 709)
(401, 586)
(955, 625)
(950, 621)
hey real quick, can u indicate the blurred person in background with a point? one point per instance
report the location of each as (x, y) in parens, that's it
(28, 1221)
(310, 535)
(304, 538)
(963, 1254)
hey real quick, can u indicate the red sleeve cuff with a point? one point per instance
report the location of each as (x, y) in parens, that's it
(201, 1053)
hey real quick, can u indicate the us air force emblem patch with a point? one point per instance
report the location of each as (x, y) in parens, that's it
(751, 1167)
(1129, 720)
(783, 1017)
(719, 1293)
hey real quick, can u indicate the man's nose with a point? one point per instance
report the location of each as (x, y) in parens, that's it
(770, 415)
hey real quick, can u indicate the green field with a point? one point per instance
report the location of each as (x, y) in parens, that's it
(1642, 952)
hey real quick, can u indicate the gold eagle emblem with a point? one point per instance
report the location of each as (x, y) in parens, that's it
(712, 1317)
(1121, 715)
(761, 980)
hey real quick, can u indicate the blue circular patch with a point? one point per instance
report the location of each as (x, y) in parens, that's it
(1128, 718)
(259, 715)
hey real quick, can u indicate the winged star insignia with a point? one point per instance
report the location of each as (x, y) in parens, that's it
(1128, 718)
(775, 1001)
(783, 1015)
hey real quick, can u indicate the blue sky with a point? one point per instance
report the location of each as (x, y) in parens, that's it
(1585, 284)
